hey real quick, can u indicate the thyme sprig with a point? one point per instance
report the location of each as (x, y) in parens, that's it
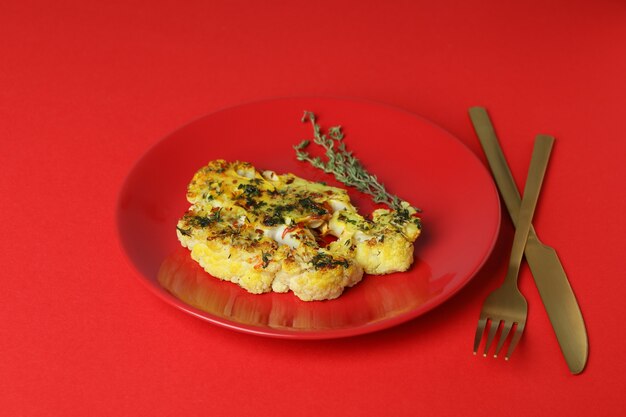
(340, 162)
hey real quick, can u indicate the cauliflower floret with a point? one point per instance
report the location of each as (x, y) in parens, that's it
(382, 245)
(237, 266)
(322, 275)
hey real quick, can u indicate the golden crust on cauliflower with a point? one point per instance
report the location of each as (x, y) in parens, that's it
(263, 231)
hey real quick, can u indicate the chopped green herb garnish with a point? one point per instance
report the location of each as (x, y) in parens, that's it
(277, 217)
(324, 260)
(204, 221)
(184, 232)
(308, 204)
(266, 259)
(273, 220)
(250, 190)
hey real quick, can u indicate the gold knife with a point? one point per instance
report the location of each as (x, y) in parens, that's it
(550, 278)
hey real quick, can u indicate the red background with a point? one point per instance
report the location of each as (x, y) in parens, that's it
(87, 87)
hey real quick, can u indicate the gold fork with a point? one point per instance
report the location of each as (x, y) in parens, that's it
(506, 305)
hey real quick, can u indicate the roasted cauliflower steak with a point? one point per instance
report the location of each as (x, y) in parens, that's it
(266, 232)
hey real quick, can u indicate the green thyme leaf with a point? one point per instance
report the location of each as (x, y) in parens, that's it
(340, 162)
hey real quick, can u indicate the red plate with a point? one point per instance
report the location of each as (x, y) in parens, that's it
(416, 159)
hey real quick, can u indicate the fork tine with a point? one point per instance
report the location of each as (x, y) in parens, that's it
(492, 332)
(506, 328)
(518, 334)
(480, 330)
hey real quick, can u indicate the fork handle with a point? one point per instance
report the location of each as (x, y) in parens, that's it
(534, 180)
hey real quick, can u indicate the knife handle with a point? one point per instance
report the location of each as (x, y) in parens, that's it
(497, 162)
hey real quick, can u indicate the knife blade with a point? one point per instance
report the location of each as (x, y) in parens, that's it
(550, 278)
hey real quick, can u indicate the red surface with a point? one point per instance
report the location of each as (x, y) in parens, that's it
(448, 254)
(87, 87)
